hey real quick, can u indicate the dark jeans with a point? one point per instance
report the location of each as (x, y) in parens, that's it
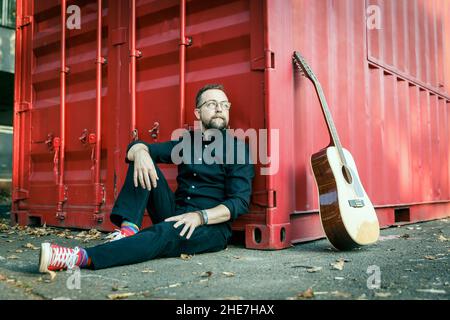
(159, 240)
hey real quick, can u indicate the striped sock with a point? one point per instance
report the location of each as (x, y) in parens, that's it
(83, 258)
(129, 228)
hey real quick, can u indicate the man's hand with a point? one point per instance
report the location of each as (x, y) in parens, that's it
(191, 220)
(144, 170)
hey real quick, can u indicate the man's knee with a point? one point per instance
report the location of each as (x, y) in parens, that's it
(167, 228)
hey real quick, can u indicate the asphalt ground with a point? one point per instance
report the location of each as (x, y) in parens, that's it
(408, 262)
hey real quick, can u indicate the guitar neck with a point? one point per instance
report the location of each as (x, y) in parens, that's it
(334, 138)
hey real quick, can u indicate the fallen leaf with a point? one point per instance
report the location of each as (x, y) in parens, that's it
(147, 271)
(233, 298)
(19, 251)
(2, 277)
(339, 278)
(307, 294)
(338, 265)
(48, 277)
(362, 297)
(442, 238)
(206, 274)
(12, 257)
(430, 257)
(30, 246)
(382, 294)
(175, 285)
(341, 294)
(228, 274)
(52, 275)
(117, 296)
(117, 287)
(405, 236)
(432, 291)
(313, 269)
(185, 256)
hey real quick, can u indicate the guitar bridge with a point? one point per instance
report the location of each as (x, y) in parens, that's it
(356, 203)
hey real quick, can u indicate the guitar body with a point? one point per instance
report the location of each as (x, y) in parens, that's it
(347, 214)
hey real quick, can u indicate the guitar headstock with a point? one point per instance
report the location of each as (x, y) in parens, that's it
(303, 66)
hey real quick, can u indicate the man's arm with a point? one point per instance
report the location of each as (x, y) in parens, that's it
(192, 220)
(134, 149)
(144, 157)
(218, 214)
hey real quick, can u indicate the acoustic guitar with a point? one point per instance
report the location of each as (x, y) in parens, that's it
(346, 212)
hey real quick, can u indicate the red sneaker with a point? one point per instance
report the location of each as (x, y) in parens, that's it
(54, 257)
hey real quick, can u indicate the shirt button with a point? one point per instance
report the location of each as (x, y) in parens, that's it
(189, 198)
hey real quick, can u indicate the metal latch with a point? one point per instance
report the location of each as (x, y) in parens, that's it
(265, 198)
(24, 21)
(267, 61)
(23, 106)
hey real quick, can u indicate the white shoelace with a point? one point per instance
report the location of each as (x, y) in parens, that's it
(64, 257)
(116, 235)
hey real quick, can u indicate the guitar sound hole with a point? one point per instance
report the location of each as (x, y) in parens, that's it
(347, 175)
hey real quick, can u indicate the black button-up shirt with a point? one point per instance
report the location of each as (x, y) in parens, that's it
(204, 186)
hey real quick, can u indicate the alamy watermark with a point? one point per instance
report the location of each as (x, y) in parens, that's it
(74, 18)
(73, 282)
(236, 151)
(374, 280)
(373, 17)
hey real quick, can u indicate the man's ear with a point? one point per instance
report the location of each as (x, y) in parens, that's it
(197, 113)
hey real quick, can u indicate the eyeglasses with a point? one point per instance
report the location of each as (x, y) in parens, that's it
(212, 104)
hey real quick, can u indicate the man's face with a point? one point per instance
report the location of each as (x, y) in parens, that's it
(215, 117)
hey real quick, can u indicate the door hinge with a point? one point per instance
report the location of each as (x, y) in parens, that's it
(267, 61)
(265, 198)
(24, 21)
(23, 106)
(20, 194)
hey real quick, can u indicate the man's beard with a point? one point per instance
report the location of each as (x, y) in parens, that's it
(217, 122)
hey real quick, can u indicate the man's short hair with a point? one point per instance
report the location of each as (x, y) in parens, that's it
(205, 88)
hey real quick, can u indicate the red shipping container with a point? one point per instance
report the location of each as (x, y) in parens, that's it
(81, 93)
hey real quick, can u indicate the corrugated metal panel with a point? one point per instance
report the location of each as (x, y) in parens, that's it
(38, 93)
(389, 98)
(411, 40)
(390, 102)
